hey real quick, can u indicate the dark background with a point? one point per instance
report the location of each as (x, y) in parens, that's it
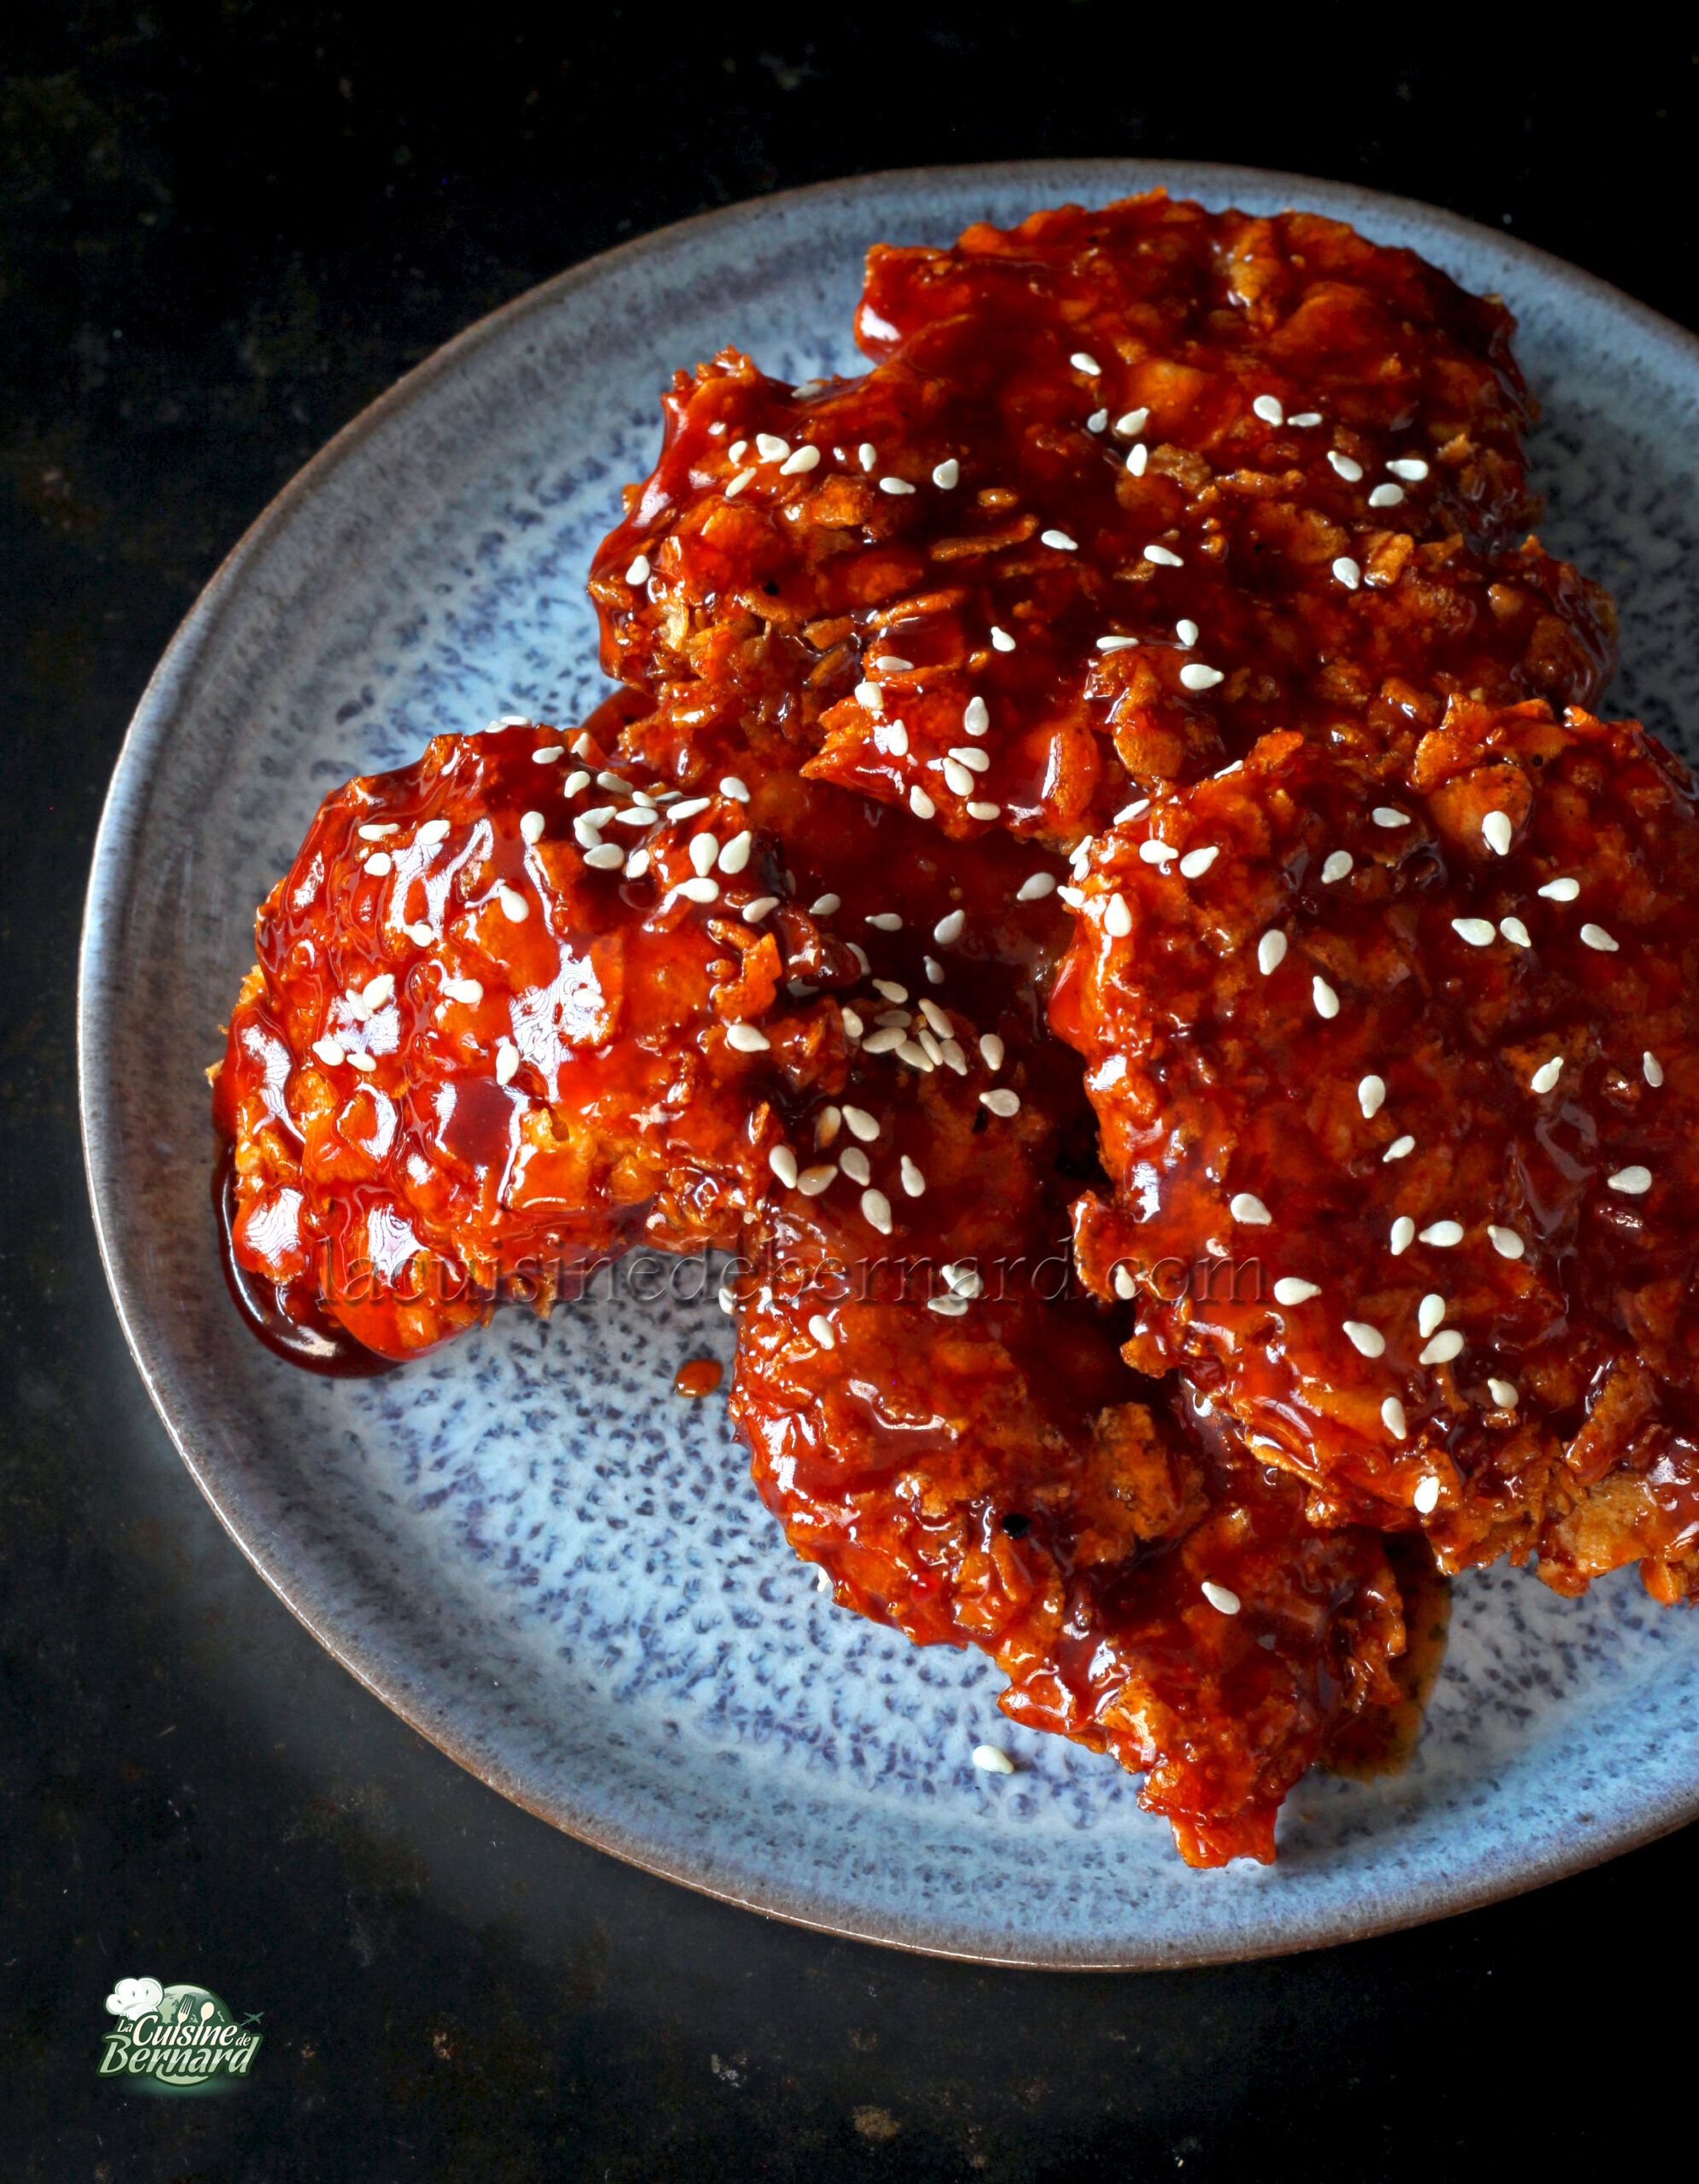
(224, 230)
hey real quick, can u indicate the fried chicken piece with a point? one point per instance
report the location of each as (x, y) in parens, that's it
(1125, 491)
(953, 1439)
(508, 1017)
(1397, 1068)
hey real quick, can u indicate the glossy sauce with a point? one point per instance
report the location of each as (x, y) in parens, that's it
(286, 1318)
(697, 1377)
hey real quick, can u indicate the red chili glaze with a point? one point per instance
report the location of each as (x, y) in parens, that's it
(1418, 1035)
(698, 1377)
(1065, 542)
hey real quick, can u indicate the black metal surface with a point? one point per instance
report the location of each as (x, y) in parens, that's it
(222, 228)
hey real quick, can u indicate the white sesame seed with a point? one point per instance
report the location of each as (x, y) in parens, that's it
(515, 908)
(703, 851)
(1133, 422)
(782, 1162)
(1430, 1314)
(1652, 1069)
(548, 754)
(870, 696)
(891, 989)
(1561, 891)
(1364, 1337)
(1270, 951)
(804, 459)
(1393, 1418)
(827, 1124)
(1426, 1497)
(531, 825)
(1083, 361)
(1337, 865)
(1125, 1286)
(735, 452)
(736, 854)
(854, 1165)
(1097, 420)
(984, 811)
(810, 1181)
(507, 1061)
(470, 992)
(1138, 459)
(885, 922)
(329, 1052)
(862, 1125)
(1371, 1095)
(1408, 466)
(1246, 1206)
(1477, 931)
(746, 1039)
(574, 783)
(1308, 418)
(359, 1059)
(1118, 918)
(1498, 830)
(1504, 1393)
(1445, 1346)
(821, 1328)
(380, 864)
(1222, 1598)
(1186, 631)
(1515, 932)
(378, 830)
(947, 474)
(956, 778)
(1269, 409)
(1443, 1234)
(1386, 496)
(731, 786)
(583, 744)
(1072, 897)
(771, 448)
(1136, 810)
(1385, 815)
(1164, 557)
(949, 1308)
(1402, 1235)
(1345, 466)
(1326, 1000)
(420, 935)
(935, 970)
(1347, 572)
(737, 484)
(990, 1760)
(1291, 1289)
(637, 573)
(1505, 1241)
(1195, 675)
(1399, 1149)
(1001, 640)
(1001, 1102)
(1035, 887)
(867, 455)
(1115, 643)
(895, 486)
(885, 1041)
(851, 1023)
(825, 906)
(1633, 1183)
(991, 1050)
(605, 857)
(1592, 935)
(970, 756)
(433, 831)
(1060, 540)
(913, 1181)
(1546, 1075)
(876, 1210)
(935, 1017)
(949, 927)
(975, 717)
(637, 863)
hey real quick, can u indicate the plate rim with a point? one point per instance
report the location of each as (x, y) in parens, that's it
(103, 901)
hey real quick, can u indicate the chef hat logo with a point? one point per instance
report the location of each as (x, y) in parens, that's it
(134, 1998)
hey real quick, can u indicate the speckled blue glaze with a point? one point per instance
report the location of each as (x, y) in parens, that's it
(528, 1545)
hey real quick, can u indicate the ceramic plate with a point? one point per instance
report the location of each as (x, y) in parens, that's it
(528, 1545)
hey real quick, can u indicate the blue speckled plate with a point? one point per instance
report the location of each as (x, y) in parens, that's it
(528, 1545)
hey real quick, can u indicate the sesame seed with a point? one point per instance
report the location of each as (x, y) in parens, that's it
(947, 474)
(1504, 1393)
(701, 889)
(1386, 496)
(1136, 459)
(1561, 891)
(895, 486)
(989, 1761)
(1164, 557)
(1132, 423)
(1308, 418)
(1338, 864)
(1195, 675)
(1097, 420)
(585, 831)
(583, 744)
(1060, 540)
(1505, 1241)
(548, 754)
(824, 906)
(1498, 830)
(1291, 1289)
(1393, 1418)
(731, 786)
(867, 455)
(1125, 1286)
(1083, 361)
(913, 1181)
(821, 1328)
(876, 1210)
(1326, 1000)
(1384, 815)
(854, 1165)
(935, 970)
(1136, 809)
(771, 448)
(885, 1041)
(329, 1052)
(637, 863)
(1186, 631)
(1633, 1183)
(470, 992)
(812, 1181)
(746, 1039)
(1117, 919)
(1347, 572)
(956, 778)
(1246, 1206)
(1477, 931)
(1546, 1075)
(870, 696)
(637, 573)
(1408, 466)
(1399, 1149)
(736, 854)
(948, 1308)
(1115, 643)
(991, 1050)
(1271, 952)
(515, 908)
(975, 717)
(1001, 1102)
(1515, 932)
(574, 783)
(1402, 1235)
(970, 756)
(889, 989)
(1072, 897)
(1222, 1598)
(638, 815)
(689, 808)
(434, 831)
(380, 864)
(1372, 1094)
(1445, 1346)
(734, 453)
(935, 1017)
(1035, 887)
(985, 811)
(703, 850)
(1361, 1337)
(1270, 408)
(826, 1124)
(1426, 1497)
(1653, 1070)
(359, 1059)
(1429, 1313)
(604, 856)
(1592, 935)
(804, 459)
(377, 830)
(507, 1061)
(890, 663)
(782, 1162)
(420, 935)
(862, 1125)
(885, 922)
(737, 484)
(949, 927)
(1442, 1235)
(1345, 466)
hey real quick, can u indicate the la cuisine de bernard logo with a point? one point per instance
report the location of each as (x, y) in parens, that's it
(176, 2039)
